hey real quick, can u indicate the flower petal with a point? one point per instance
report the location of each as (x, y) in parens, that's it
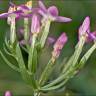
(62, 19)
(35, 26)
(42, 13)
(50, 40)
(22, 7)
(61, 41)
(53, 10)
(42, 6)
(86, 24)
(91, 36)
(4, 15)
(85, 27)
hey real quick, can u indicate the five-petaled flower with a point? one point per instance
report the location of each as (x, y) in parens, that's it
(23, 10)
(51, 13)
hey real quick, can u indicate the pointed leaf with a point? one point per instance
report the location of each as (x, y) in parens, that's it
(9, 64)
(28, 77)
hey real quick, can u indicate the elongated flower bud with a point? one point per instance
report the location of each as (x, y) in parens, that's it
(35, 26)
(59, 45)
(7, 93)
(84, 28)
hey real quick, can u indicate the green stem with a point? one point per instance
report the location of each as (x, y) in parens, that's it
(59, 79)
(13, 31)
(26, 31)
(45, 74)
(36, 94)
(74, 58)
(45, 33)
(55, 87)
(31, 53)
(27, 76)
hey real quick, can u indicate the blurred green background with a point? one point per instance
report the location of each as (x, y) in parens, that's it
(84, 83)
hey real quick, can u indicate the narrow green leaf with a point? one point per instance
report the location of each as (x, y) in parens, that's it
(25, 49)
(86, 56)
(9, 64)
(8, 53)
(60, 81)
(28, 77)
(55, 87)
(46, 73)
(69, 74)
(20, 58)
(7, 44)
(34, 62)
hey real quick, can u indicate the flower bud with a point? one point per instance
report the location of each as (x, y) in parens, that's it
(7, 93)
(59, 45)
(84, 28)
(35, 26)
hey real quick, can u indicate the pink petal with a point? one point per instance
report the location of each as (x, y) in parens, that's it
(4, 15)
(42, 6)
(85, 26)
(35, 26)
(50, 40)
(61, 41)
(62, 19)
(53, 10)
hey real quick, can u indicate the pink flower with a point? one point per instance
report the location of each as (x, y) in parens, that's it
(84, 28)
(52, 13)
(8, 93)
(24, 10)
(59, 45)
(35, 26)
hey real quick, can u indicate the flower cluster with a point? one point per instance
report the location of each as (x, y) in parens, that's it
(32, 38)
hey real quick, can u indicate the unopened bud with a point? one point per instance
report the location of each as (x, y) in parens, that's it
(35, 26)
(8, 93)
(59, 45)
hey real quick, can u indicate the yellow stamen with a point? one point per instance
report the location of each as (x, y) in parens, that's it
(12, 9)
(29, 4)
